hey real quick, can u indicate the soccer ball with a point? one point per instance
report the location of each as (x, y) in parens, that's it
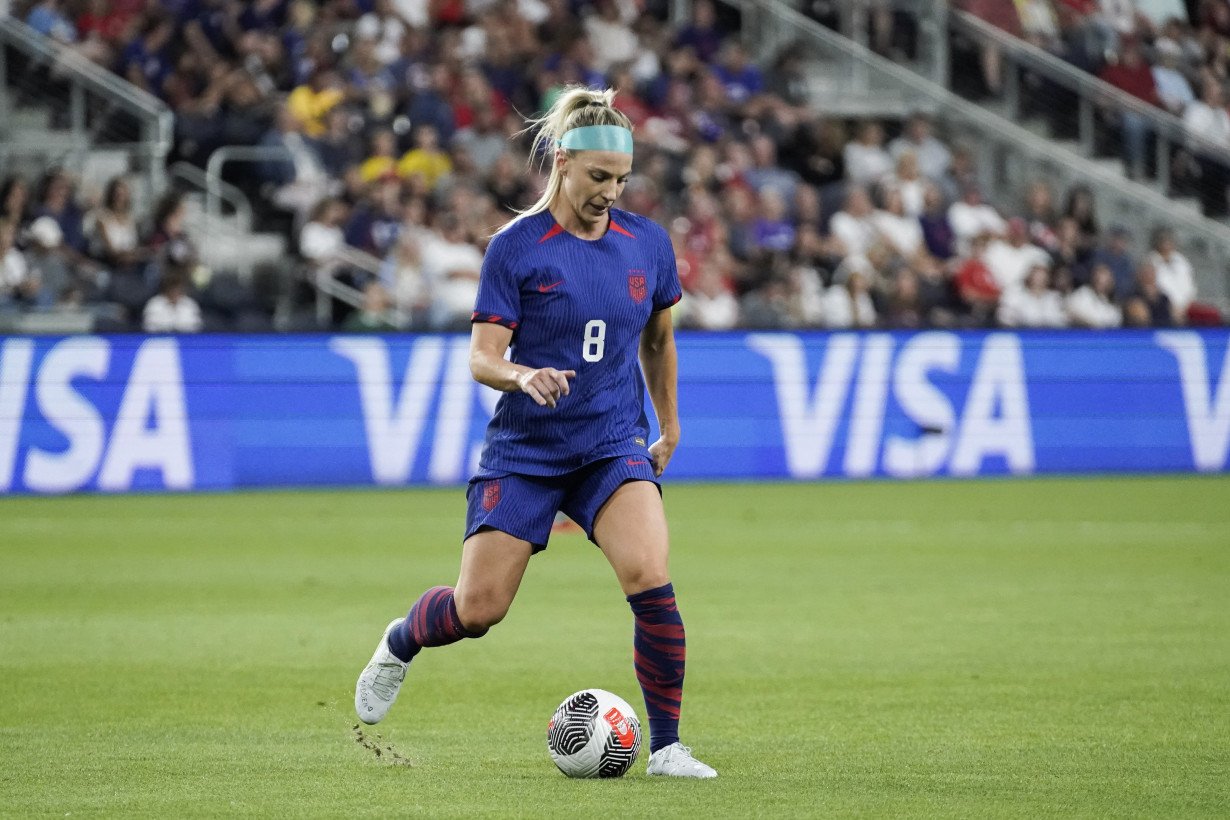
(594, 733)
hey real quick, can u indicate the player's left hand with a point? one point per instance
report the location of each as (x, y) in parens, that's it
(660, 453)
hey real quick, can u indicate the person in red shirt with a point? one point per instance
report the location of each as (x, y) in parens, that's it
(975, 284)
(1130, 73)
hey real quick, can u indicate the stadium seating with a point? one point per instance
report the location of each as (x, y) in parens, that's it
(399, 145)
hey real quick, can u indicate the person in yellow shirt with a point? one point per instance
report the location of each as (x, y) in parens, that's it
(382, 163)
(311, 102)
(426, 160)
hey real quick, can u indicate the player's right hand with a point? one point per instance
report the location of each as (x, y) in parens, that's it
(546, 386)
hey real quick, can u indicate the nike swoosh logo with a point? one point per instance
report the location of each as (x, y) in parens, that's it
(633, 462)
(545, 288)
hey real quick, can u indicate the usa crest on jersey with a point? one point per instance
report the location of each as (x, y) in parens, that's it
(637, 288)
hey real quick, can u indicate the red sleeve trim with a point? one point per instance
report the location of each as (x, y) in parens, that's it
(491, 318)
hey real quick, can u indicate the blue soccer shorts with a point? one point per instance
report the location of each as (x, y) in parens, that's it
(524, 506)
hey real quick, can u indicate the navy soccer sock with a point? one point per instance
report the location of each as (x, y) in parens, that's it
(659, 650)
(432, 621)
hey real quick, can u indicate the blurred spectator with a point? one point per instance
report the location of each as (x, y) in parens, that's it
(1173, 89)
(766, 172)
(1115, 253)
(1130, 73)
(1012, 258)
(976, 286)
(402, 274)
(1040, 215)
(1082, 208)
(49, 273)
(1070, 253)
(300, 179)
(172, 310)
(1208, 125)
(711, 304)
(701, 33)
(425, 161)
(482, 140)
(381, 162)
(16, 285)
(1175, 275)
(321, 241)
(48, 19)
(376, 315)
(114, 236)
(1032, 303)
(170, 226)
(451, 266)
(740, 77)
(1146, 295)
(1093, 305)
(14, 200)
(971, 217)
(847, 303)
(376, 222)
(933, 157)
(866, 159)
(309, 103)
(911, 184)
(145, 61)
(941, 239)
(773, 231)
(613, 39)
(854, 226)
(901, 232)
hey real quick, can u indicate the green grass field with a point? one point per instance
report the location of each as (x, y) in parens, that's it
(1006, 648)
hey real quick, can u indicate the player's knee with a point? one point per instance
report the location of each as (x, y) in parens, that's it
(643, 578)
(478, 613)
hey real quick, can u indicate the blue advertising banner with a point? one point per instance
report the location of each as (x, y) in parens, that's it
(121, 413)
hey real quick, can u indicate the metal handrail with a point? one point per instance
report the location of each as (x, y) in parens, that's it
(1210, 238)
(1092, 90)
(157, 121)
(23, 38)
(235, 153)
(229, 193)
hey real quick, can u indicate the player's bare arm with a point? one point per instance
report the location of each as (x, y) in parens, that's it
(660, 362)
(488, 344)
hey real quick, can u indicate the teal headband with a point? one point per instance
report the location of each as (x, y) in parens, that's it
(598, 138)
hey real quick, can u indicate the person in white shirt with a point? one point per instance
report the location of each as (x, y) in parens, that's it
(1032, 303)
(15, 281)
(847, 303)
(1174, 89)
(451, 266)
(1093, 305)
(854, 227)
(901, 231)
(934, 158)
(710, 305)
(612, 39)
(970, 217)
(913, 186)
(172, 310)
(1207, 121)
(1010, 259)
(1175, 276)
(867, 161)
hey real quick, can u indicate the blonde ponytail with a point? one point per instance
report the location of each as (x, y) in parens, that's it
(576, 106)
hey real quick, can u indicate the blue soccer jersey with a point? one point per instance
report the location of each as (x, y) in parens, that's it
(574, 304)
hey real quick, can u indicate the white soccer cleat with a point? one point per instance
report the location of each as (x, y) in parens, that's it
(676, 760)
(380, 681)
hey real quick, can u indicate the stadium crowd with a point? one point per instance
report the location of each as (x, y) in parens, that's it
(1170, 54)
(397, 124)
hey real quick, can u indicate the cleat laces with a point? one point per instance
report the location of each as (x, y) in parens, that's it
(388, 678)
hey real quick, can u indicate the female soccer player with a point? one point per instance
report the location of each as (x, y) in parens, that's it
(578, 289)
